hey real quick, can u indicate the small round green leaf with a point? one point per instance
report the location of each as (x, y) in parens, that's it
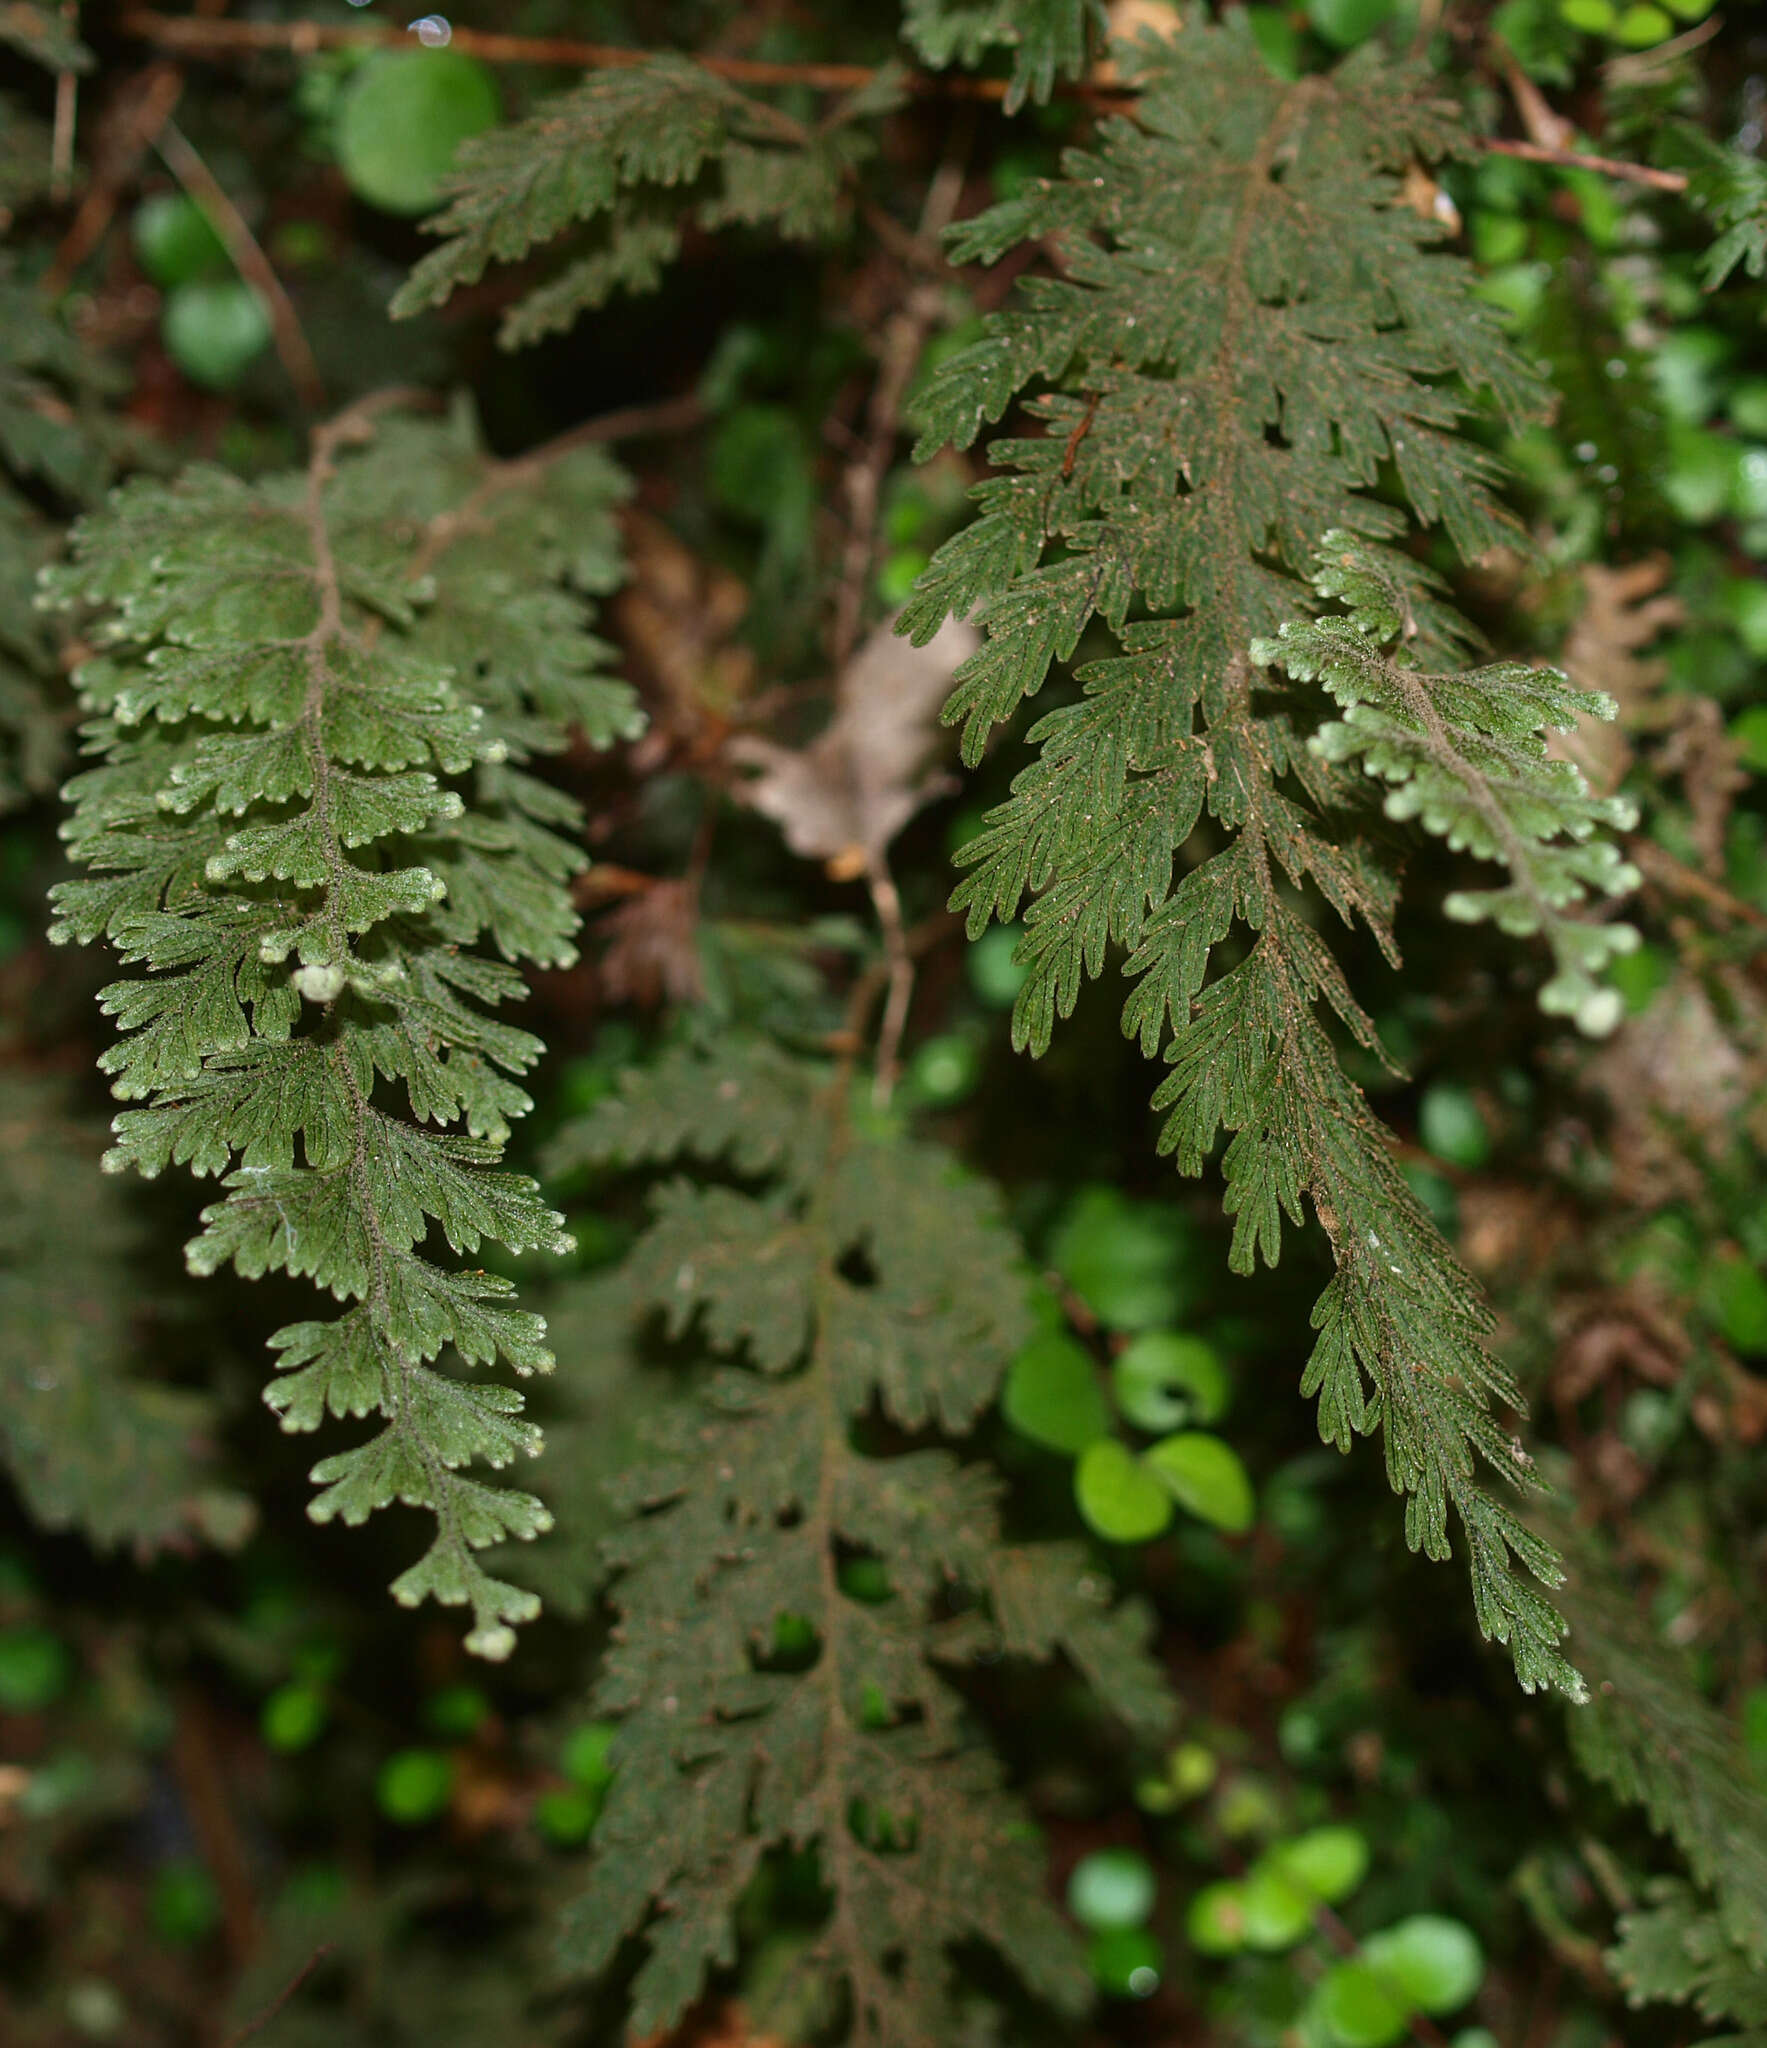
(184, 1905)
(1357, 2009)
(1432, 1961)
(456, 1711)
(1130, 1262)
(1276, 1912)
(174, 242)
(994, 974)
(1345, 23)
(1119, 1497)
(566, 1815)
(865, 1579)
(1126, 1962)
(1204, 1474)
(1641, 26)
(585, 1756)
(401, 119)
(1328, 1863)
(1053, 1396)
(945, 1069)
(1163, 1380)
(1451, 1125)
(1111, 1888)
(34, 1669)
(214, 330)
(293, 1717)
(1734, 1294)
(1215, 1921)
(414, 1786)
(1594, 17)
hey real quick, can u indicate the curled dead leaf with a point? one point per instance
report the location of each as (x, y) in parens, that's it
(845, 796)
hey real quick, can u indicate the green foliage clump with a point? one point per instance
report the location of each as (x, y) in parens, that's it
(310, 809)
(868, 1301)
(610, 152)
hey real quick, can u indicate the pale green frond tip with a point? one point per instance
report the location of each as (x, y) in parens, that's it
(304, 776)
(1462, 753)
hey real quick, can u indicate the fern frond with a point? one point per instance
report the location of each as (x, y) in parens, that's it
(1048, 38)
(1464, 756)
(874, 1300)
(1648, 1735)
(310, 815)
(1730, 188)
(1252, 337)
(1677, 1950)
(89, 1444)
(589, 155)
(44, 34)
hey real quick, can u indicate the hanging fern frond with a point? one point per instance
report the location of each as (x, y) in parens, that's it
(1254, 346)
(308, 820)
(1049, 39)
(867, 1301)
(615, 151)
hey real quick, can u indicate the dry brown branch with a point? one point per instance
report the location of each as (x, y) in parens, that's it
(904, 337)
(249, 260)
(1575, 160)
(1678, 879)
(192, 38)
(158, 89)
(259, 2021)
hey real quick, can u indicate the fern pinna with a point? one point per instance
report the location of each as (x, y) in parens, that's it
(310, 814)
(809, 1565)
(1253, 346)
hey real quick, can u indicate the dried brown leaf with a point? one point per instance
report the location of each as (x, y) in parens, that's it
(675, 617)
(843, 798)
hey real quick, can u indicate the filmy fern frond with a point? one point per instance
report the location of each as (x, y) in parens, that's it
(1048, 38)
(1464, 756)
(309, 814)
(89, 1443)
(614, 150)
(771, 1697)
(1252, 336)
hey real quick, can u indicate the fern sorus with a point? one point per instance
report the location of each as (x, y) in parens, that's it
(600, 152)
(309, 819)
(808, 1562)
(1251, 335)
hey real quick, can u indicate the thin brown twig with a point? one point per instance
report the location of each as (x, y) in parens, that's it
(248, 259)
(1577, 160)
(1680, 880)
(305, 38)
(899, 350)
(897, 951)
(160, 87)
(198, 36)
(261, 2020)
(67, 104)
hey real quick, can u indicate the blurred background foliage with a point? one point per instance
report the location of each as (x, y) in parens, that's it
(229, 1769)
